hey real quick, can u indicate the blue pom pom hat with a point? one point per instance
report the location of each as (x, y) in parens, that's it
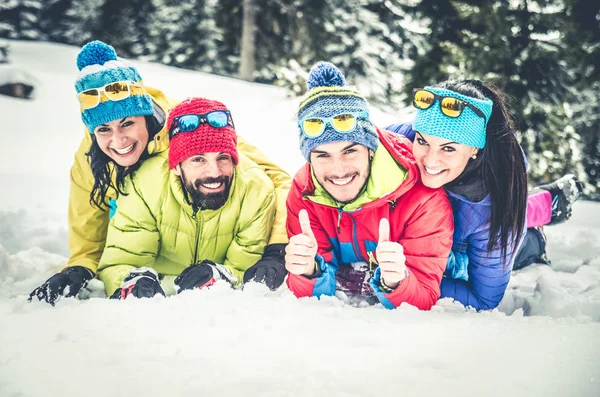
(98, 65)
(327, 96)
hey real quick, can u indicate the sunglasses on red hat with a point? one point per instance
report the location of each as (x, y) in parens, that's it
(189, 122)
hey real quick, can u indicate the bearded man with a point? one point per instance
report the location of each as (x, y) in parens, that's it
(201, 214)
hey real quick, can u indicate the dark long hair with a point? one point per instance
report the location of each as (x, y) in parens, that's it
(103, 168)
(501, 167)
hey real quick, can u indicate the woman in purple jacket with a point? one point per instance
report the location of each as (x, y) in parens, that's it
(463, 139)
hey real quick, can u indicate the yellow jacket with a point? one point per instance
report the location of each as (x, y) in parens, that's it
(155, 227)
(88, 225)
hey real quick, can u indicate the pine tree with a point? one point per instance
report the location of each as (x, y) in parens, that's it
(20, 19)
(517, 45)
(185, 35)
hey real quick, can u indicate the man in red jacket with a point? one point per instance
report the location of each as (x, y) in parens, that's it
(361, 223)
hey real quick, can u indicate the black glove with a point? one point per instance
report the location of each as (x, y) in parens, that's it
(270, 269)
(66, 283)
(204, 274)
(141, 283)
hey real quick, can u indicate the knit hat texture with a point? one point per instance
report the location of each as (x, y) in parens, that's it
(203, 139)
(468, 128)
(99, 66)
(327, 96)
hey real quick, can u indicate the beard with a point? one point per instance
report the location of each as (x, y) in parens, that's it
(206, 201)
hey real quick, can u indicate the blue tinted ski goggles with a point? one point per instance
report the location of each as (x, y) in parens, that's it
(313, 127)
(189, 122)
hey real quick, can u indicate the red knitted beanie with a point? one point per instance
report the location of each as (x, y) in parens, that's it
(203, 139)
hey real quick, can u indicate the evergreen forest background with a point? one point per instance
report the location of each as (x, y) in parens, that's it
(544, 54)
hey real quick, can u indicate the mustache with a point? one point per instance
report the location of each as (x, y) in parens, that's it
(221, 179)
(348, 175)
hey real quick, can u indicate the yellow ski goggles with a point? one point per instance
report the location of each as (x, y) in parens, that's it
(116, 91)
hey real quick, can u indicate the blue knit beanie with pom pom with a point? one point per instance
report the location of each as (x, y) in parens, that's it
(327, 96)
(99, 66)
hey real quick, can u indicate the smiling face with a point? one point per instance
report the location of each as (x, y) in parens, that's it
(123, 140)
(342, 168)
(207, 178)
(440, 161)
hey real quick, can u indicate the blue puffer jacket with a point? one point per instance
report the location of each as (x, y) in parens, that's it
(474, 276)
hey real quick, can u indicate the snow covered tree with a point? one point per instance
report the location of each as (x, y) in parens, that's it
(518, 45)
(20, 19)
(185, 35)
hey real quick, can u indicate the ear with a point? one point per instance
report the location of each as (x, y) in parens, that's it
(177, 170)
(474, 152)
(371, 154)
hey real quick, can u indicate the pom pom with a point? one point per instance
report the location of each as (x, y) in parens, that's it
(325, 74)
(95, 53)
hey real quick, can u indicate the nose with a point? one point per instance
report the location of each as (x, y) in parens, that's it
(212, 170)
(431, 158)
(338, 167)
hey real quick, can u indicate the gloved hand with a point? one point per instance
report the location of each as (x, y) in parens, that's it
(141, 283)
(66, 283)
(204, 274)
(270, 269)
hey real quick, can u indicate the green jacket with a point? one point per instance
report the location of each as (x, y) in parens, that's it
(155, 227)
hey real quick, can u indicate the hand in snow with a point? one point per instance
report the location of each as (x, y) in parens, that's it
(270, 269)
(66, 283)
(301, 251)
(140, 283)
(390, 256)
(201, 275)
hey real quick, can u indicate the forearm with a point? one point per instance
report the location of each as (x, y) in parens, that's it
(463, 292)
(112, 276)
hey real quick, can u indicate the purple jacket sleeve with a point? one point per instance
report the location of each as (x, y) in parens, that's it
(488, 275)
(403, 129)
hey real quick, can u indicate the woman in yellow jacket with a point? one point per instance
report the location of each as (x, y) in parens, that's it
(126, 125)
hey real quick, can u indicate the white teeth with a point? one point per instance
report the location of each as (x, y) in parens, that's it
(341, 182)
(124, 150)
(433, 172)
(212, 185)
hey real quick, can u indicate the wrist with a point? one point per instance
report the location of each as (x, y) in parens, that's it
(314, 271)
(389, 286)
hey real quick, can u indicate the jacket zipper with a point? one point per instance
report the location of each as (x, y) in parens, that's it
(355, 237)
(198, 228)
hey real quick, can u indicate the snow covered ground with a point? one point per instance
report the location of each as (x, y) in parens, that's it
(543, 341)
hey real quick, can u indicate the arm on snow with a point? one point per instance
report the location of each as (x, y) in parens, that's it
(323, 281)
(282, 182)
(132, 240)
(256, 221)
(87, 224)
(426, 240)
(488, 278)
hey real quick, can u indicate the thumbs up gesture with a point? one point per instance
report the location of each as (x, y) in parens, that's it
(301, 251)
(390, 256)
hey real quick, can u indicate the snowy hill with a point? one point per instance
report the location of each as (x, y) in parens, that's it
(543, 341)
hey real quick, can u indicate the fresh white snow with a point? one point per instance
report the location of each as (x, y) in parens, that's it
(544, 340)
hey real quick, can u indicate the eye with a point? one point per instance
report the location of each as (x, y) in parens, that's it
(102, 130)
(197, 159)
(350, 151)
(421, 141)
(127, 123)
(448, 149)
(322, 155)
(224, 158)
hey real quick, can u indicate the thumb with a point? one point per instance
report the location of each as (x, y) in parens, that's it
(305, 224)
(384, 230)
